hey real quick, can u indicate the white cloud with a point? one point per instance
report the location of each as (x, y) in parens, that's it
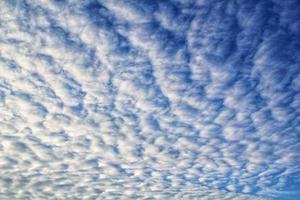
(137, 99)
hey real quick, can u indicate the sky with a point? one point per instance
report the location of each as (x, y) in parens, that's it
(150, 99)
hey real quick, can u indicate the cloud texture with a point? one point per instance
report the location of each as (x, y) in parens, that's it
(137, 99)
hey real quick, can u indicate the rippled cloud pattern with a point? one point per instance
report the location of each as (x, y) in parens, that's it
(150, 99)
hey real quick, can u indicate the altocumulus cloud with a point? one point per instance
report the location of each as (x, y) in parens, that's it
(140, 99)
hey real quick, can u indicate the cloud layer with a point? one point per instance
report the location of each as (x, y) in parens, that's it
(181, 99)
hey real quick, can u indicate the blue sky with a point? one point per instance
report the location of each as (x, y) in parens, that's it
(150, 99)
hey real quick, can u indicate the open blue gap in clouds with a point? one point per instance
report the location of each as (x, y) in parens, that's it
(176, 99)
